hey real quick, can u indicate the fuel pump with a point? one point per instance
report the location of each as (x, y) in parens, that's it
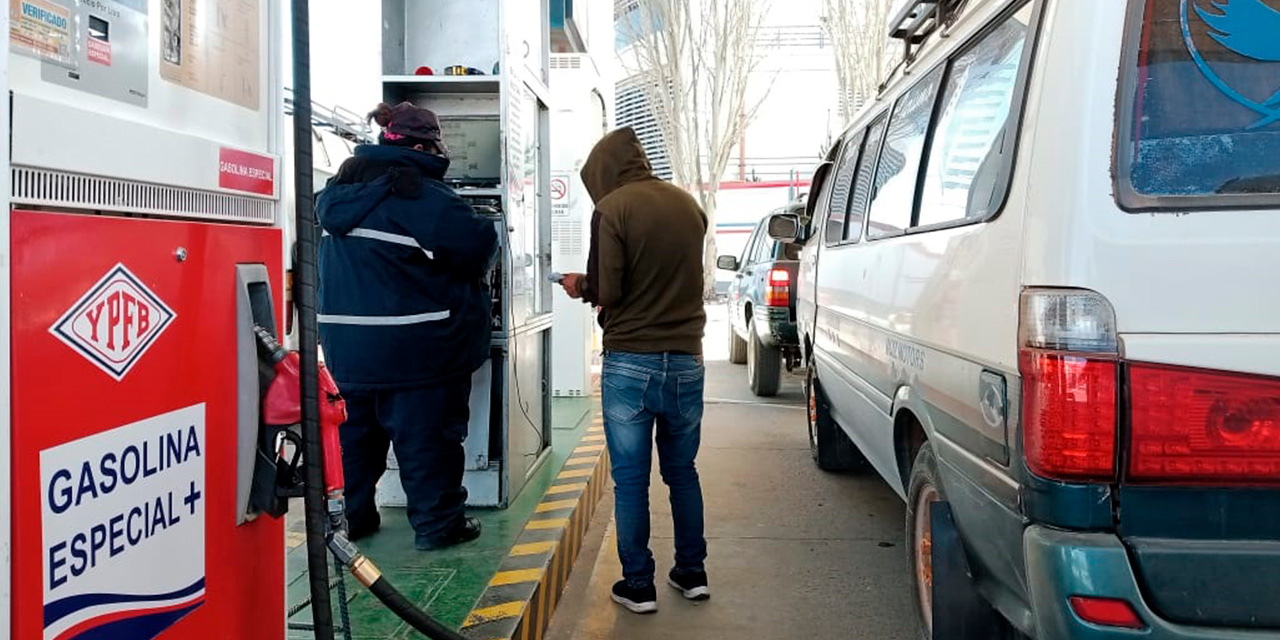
(144, 243)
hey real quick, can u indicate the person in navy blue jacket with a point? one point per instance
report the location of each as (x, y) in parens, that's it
(404, 321)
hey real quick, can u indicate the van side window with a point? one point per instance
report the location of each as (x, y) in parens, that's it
(841, 178)
(866, 169)
(893, 194)
(964, 169)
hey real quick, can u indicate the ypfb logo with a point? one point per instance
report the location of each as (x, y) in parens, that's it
(1249, 28)
(115, 322)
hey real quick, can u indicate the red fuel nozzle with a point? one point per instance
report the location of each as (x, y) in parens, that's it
(282, 406)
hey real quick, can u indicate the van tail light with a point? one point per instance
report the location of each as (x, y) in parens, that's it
(778, 291)
(1106, 612)
(1069, 369)
(1206, 427)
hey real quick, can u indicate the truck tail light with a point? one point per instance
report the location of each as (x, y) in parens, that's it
(1069, 369)
(1208, 427)
(778, 292)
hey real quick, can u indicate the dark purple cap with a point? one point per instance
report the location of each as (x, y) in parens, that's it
(407, 120)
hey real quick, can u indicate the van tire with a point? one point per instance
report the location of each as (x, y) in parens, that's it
(830, 446)
(737, 346)
(764, 364)
(966, 610)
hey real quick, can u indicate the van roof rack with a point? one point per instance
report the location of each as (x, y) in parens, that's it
(916, 20)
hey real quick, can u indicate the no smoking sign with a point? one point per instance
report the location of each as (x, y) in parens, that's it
(559, 189)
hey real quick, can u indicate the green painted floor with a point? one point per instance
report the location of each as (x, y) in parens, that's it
(445, 583)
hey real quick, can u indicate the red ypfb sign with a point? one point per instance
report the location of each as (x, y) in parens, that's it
(248, 172)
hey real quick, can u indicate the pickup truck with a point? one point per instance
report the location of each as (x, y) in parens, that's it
(762, 308)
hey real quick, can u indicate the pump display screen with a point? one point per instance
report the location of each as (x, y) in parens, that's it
(474, 150)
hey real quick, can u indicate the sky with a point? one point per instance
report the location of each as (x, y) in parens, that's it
(346, 57)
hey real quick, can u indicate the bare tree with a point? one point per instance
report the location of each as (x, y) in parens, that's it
(859, 35)
(694, 60)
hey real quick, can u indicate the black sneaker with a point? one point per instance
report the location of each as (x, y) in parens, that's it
(636, 600)
(691, 584)
(466, 531)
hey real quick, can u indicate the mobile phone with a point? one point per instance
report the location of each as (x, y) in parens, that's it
(555, 277)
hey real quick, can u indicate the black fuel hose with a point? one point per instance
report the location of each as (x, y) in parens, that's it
(371, 577)
(395, 601)
(308, 331)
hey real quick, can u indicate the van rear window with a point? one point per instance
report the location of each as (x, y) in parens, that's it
(1205, 104)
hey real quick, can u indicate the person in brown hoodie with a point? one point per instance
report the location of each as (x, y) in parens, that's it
(644, 274)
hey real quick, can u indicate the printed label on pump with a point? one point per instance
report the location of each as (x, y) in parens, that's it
(247, 172)
(123, 526)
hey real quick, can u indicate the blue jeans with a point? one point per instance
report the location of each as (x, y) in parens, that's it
(641, 390)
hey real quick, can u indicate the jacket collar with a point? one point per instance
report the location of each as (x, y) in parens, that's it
(429, 165)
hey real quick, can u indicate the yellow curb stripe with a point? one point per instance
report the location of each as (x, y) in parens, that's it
(555, 505)
(575, 473)
(554, 523)
(593, 439)
(515, 577)
(590, 448)
(573, 462)
(532, 548)
(565, 488)
(496, 612)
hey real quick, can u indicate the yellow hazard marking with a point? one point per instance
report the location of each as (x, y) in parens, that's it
(596, 438)
(565, 488)
(555, 505)
(496, 612)
(572, 462)
(515, 577)
(532, 548)
(554, 523)
(590, 448)
(575, 473)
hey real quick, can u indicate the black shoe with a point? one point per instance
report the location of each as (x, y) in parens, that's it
(691, 584)
(466, 531)
(636, 600)
(363, 529)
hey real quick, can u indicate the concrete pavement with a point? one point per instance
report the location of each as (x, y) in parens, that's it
(794, 552)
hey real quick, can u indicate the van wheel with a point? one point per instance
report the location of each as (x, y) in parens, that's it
(764, 365)
(966, 610)
(830, 446)
(737, 346)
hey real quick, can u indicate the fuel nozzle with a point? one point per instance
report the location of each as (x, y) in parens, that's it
(270, 347)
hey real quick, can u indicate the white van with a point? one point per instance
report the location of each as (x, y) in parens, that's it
(1040, 296)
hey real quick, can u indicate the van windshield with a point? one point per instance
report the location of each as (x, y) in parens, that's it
(1205, 101)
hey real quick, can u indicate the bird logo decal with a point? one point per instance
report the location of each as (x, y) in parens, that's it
(1249, 28)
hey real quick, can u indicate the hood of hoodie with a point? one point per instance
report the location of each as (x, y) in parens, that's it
(367, 179)
(617, 159)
